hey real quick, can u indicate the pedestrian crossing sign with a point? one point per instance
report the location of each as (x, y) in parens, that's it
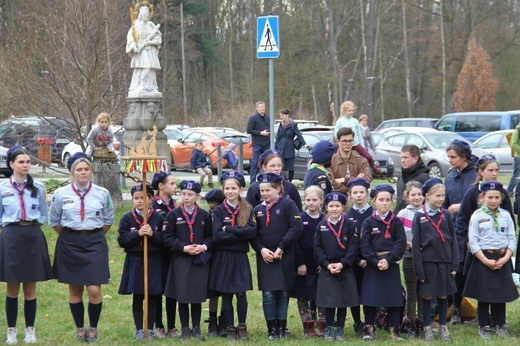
(267, 39)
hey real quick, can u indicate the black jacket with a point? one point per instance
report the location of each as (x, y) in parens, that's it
(419, 172)
(257, 124)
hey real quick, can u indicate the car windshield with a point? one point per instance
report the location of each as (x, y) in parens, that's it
(173, 134)
(442, 140)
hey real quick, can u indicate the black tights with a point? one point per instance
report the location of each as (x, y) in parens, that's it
(137, 310)
(329, 316)
(184, 314)
(427, 311)
(483, 313)
(227, 308)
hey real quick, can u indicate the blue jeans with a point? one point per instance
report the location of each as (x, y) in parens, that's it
(257, 151)
(516, 174)
(275, 305)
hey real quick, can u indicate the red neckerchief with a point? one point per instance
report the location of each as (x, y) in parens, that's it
(82, 198)
(20, 195)
(338, 233)
(268, 207)
(136, 216)
(232, 213)
(437, 225)
(387, 223)
(190, 221)
(169, 205)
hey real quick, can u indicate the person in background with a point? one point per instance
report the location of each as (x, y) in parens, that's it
(287, 132)
(130, 236)
(368, 141)
(412, 169)
(515, 147)
(82, 213)
(258, 126)
(24, 256)
(163, 202)
(347, 120)
(101, 136)
(199, 164)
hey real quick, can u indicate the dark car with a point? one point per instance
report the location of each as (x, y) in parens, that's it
(30, 131)
(301, 163)
(3, 165)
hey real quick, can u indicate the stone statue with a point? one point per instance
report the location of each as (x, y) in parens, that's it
(142, 44)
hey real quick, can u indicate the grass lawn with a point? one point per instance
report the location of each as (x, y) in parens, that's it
(55, 326)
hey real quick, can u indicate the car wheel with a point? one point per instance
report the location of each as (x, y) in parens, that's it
(435, 170)
(66, 159)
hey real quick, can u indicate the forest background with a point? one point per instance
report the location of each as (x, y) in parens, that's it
(393, 58)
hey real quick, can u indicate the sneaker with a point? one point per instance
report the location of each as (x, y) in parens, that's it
(231, 333)
(242, 332)
(484, 332)
(159, 333)
(139, 334)
(444, 333)
(172, 333)
(151, 334)
(369, 334)
(92, 334)
(11, 336)
(394, 334)
(185, 333)
(340, 334)
(428, 334)
(329, 333)
(197, 334)
(30, 335)
(455, 316)
(502, 331)
(81, 335)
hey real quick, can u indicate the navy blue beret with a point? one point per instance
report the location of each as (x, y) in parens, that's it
(191, 185)
(233, 175)
(484, 159)
(491, 185)
(322, 151)
(76, 157)
(139, 187)
(269, 178)
(358, 182)
(267, 153)
(464, 146)
(428, 184)
(335, 196)
(10, 152)
(159, 178)
(215, 196)
(381, 188)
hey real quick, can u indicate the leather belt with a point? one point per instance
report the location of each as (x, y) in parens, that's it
(70, 230)
(497, 252)
(25, 223)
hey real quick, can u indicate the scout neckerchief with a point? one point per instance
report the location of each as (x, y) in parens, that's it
(387, 223)
(20, 195)
(320, 167)
(268, 207)
(337, 233)
(170, 204)
(437, 225)
(82, 198)
(493, 215)
(190, 221)
(232, 213)
(136, 213)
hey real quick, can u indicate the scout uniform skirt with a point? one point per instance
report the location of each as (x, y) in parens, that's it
(24, 255)
(439, 281)
(382, 287)
(132, 280)
(337, 290)
(81, 258)
(230, 272)
(187, 283)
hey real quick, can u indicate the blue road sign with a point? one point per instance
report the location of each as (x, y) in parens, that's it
(267, 39)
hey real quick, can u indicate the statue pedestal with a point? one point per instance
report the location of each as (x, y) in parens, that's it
(106, 173)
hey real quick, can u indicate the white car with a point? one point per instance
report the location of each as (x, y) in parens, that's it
(496, 143)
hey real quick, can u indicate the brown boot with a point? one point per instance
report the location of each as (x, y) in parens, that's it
(394, 334)
(231, 333)
(322, 324)
(370, 333)
(242, 332)
(308, 328)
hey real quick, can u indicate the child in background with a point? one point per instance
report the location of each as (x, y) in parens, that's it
(357, 190)
(413, 196)
(101, 136)
(492, 241)
(306, 279)
(435, 255)
(199, 164)
(214, 198)
(233, 226)
(279, 227)
(166, 187)
(383, 243)
(130, 237)
(187, 233)
(336, 249)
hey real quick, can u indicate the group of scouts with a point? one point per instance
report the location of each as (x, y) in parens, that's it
(326, 255)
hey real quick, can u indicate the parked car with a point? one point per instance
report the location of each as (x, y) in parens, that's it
(496, 143)
(3, 165)
(400, 122)
(432, 143)
(382, 159)
(175, 132)
(29, 131)
(210, 136)
(473, 125)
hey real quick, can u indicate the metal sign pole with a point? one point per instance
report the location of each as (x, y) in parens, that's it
(271, 101)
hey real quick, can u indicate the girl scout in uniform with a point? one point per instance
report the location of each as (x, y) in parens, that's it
(24, 257)
(81, 213)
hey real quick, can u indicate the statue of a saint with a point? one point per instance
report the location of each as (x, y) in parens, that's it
(142, 44)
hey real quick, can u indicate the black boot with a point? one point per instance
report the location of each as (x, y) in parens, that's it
(222, 326)
(272, 330)
(282, 329)
(212, 327)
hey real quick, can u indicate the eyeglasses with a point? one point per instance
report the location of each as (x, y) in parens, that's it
(347, 141)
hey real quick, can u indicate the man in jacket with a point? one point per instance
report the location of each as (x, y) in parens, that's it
(412, 168)
(258, 127)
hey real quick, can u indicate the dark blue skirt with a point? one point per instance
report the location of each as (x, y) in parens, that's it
(132, 280)
(230, 272)
(337, 290)
(187, 283)
(24, 255)
(382, 287)
(305, 287)
(439, 282)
